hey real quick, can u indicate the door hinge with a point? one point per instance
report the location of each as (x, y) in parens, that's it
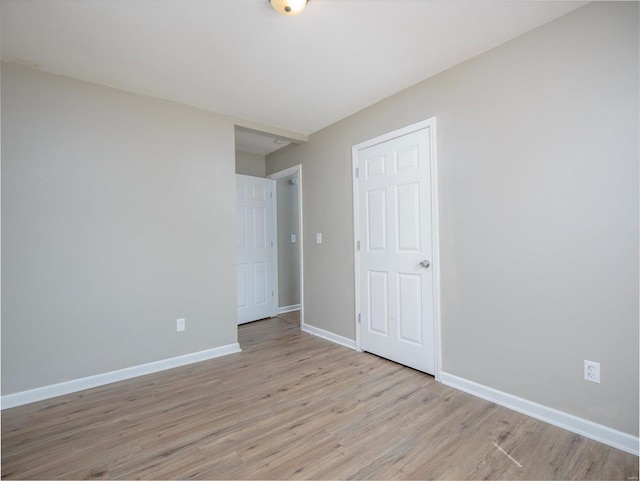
(272, 293)
(359, 319)
(357, 172)
(358, 245)
(271, 194)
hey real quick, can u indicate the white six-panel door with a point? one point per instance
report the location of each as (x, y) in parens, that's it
(254, 248)
(395, 257)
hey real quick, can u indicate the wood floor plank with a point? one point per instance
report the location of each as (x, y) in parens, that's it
(291, 406)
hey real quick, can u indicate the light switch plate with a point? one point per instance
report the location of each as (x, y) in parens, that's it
(180, 325)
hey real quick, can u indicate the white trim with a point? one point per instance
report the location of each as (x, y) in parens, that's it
(435, 241)
(279, 175)
(435, 232)
(275, 296)
(285, 309)
(589, 429)
(329, 336)
(68, 387)
(409, 129)
(356, 234)
(301, 227)
(284, 173)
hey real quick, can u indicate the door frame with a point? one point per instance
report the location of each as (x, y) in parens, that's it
(435, 222)
(280, 175)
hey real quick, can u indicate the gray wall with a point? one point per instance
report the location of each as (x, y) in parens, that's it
(115, 220)
(288, 253)
(538, 156)
(250, 164)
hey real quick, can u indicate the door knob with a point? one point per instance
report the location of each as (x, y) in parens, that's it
(425, 263)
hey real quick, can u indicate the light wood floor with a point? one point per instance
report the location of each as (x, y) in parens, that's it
(292, 406)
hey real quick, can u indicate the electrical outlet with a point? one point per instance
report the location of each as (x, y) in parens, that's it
(319, 238)
(180, 325)
(592, 371)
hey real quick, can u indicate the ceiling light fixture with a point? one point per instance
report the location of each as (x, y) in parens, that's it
(288, 7)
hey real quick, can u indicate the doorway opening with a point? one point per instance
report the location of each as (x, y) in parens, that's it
(284, 243)
(289, 252)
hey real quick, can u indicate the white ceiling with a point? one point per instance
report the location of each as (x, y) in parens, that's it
(241, 58)
(257, 143)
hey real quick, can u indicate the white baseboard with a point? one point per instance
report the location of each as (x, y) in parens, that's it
(68, 387)
(283, 309)
(329, 336)
(597, 432)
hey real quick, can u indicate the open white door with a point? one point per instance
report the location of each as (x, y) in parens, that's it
(395, 228)
(255, 248)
